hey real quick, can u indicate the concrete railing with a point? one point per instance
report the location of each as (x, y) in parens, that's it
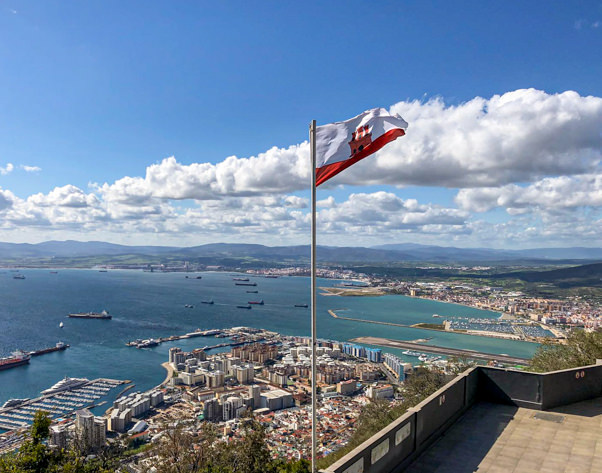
(396, 446)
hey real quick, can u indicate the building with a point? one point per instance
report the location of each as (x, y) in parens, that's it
(380, 392)
(212, 411)
(91, 430)
(396, 365)
(58, 436)
(232, 408)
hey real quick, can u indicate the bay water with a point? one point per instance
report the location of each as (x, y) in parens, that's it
(151, 305)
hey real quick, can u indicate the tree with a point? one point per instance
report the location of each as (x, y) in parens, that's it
(581, 349)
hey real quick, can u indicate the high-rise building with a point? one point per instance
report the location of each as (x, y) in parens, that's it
(92, 430)
(232, 408)
(58, 436)
(212, 411)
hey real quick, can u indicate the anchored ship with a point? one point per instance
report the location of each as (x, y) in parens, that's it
(18, 358)
(91, 315)
(245, 284)
(256, 302)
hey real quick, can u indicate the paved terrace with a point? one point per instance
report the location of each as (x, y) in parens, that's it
(497, 438)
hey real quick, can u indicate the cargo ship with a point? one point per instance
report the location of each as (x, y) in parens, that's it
(58, 347)
(245, 284)
(91, 315)
(18, 358)
(240, 279)
(243, 306)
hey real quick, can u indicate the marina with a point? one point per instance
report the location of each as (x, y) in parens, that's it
(61, 400)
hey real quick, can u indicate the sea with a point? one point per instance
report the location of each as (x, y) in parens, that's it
(151, 305)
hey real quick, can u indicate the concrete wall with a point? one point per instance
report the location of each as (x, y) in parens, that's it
(392, 449)
(397, 445)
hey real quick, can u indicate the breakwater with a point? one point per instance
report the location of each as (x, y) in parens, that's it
(377, 322)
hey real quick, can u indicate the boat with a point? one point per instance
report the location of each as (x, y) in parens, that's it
(240, 279)
(18, 276)
(14, 402)
(422, 357)
(102, 270)
(207, 302)
(18, 358)
(271, 276)
(61, 325)
(54, 272)
(305, 306)
(256, 302)
(252, 292)
(245, 284)
(189, 306)
(151, 342)
(66, 384)
(410, 353)
(91, 315)
(58, 347)
(243, 306)
(436, 315)
(199, 277)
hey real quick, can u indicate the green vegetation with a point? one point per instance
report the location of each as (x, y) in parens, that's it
(430, 326)
(35, 456)
(581, 349)
(178, 451)
(376, 415)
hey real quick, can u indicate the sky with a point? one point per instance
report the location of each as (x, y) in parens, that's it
(185, 123)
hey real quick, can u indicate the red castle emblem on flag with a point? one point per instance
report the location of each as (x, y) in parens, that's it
(360, 139)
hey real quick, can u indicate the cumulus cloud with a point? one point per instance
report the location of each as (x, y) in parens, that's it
(515, 137)
(523, 151)
(6, 169)
(549, 194)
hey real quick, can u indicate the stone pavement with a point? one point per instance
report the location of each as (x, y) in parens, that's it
(496, 438)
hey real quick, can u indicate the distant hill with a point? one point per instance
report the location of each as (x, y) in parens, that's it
(585, 275)
(383, 254)
(450, 253)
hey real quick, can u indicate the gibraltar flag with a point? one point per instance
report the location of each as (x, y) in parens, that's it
(341, 144)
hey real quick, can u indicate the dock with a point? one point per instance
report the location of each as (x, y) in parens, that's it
(475, 355)
(57, 405)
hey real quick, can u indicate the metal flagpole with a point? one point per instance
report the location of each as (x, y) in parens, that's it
(312, 145)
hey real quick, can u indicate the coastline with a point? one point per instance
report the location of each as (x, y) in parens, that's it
(170, 372)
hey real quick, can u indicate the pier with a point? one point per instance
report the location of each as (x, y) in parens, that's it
(59, 404)
(475, 355)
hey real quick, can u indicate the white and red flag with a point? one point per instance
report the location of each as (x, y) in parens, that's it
(341, 144)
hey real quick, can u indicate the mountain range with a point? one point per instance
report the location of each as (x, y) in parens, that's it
(393, 253)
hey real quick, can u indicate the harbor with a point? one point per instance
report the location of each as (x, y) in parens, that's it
(61, 400)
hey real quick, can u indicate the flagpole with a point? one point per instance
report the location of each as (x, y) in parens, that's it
(312, 145)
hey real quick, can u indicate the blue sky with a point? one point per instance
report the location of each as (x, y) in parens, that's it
(92, 93)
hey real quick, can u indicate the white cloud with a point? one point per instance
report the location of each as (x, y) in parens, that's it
(30, 168)
(6, 169)
(549, 194)
(515, 137)
(549, 143)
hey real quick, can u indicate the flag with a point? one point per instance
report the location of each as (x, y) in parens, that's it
(341, 144)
